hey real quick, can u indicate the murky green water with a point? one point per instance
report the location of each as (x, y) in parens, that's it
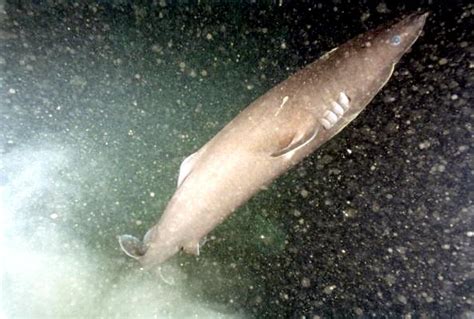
(97, 118)
(100, 103)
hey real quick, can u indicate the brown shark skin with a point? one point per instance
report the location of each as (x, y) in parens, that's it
(271, 135)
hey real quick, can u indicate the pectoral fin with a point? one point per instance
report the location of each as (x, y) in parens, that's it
(300, 139)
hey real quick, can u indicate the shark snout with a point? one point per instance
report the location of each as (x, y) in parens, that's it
(414, 22)
(419, 19)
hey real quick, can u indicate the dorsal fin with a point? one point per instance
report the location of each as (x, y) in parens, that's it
(193, 246)
(186, 167)
(300, 139)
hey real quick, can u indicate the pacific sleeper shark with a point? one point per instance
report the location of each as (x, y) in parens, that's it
(271, 135)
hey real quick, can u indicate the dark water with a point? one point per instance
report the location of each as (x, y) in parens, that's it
(100, 102)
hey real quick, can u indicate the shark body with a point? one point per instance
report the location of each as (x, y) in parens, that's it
(271, 135)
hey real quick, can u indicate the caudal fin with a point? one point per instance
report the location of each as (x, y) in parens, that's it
(132, 246)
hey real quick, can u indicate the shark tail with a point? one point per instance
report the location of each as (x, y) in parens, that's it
(132, 246)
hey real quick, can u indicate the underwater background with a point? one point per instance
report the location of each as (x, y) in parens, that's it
(100, 101)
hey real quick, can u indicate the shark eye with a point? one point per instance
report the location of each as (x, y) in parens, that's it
(395, 40)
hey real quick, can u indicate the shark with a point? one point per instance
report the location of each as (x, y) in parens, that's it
(271, 135)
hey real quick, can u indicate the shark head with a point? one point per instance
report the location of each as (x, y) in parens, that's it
(394, 40)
